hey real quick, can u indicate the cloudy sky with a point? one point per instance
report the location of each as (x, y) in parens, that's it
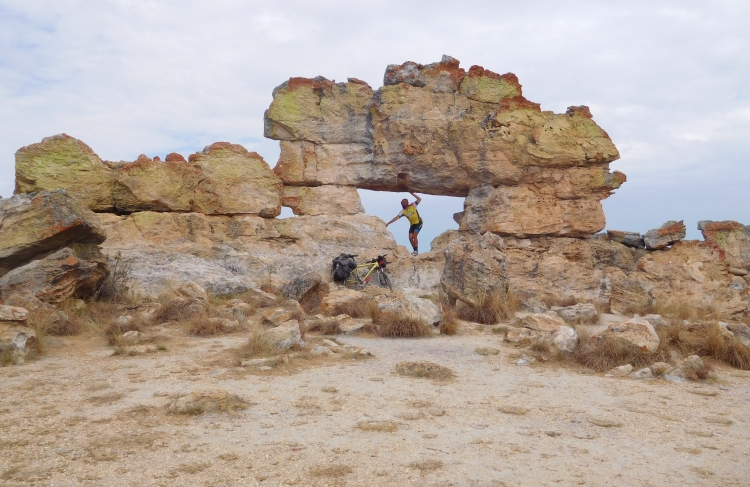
(668, 80)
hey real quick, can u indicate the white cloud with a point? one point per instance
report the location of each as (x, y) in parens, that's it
(669, 81)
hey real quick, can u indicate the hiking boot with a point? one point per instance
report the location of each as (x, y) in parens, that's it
(415, 253)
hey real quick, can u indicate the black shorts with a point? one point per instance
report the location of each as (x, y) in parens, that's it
(415, 228)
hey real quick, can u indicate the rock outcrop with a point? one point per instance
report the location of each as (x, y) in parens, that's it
(732, 241)
(223, 179)
(665, 235)
(474, 268)
(32, 224)
(438, 129)
(15, 335)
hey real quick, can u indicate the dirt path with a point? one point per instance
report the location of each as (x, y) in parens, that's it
(82, 417)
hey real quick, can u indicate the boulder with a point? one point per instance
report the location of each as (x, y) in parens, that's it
(322, 200)
(660, 368)
(563, 339)
(689, 368)
(16, 338)
(547, 322)
(665, 235)
(741, 332)
(644, 373)
(33, 224)
(409, 307)
(656, 321)
(56, 277)
(64, 162)
(581, 312)
(630, 239)
(474, 268)
(235, 182)
(620, 371)
(299, 286)
(635, 331)
(285, 335)
(190, 291)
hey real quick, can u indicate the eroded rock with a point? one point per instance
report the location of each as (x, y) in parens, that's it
(636, 332)
(474, 268)
(665, 235)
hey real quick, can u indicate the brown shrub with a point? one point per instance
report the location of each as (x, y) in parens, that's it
(204, 327)
(114, 331)
(175, 310)
(491, 309)
(449, 325)
(114, 288)
(256, 346)
(326, 327)
(604, 354)
(400, 327)
(359, 308)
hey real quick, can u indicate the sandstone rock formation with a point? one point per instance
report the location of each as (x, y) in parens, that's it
(635, 331)
(223, 179)
(412, 308)
(437, 129)
(15, 335)
(32, 224)
(474, 268)
(630, 239)
(732, 240)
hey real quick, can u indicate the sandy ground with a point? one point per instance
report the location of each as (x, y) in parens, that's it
(80, 416)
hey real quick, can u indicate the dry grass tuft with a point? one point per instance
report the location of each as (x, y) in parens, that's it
(425, 466)
(204, 327)
(602, 355)
(332, 471)
(491, 309)
(193, 468)
(175, 310)
(256, 347)
(379, 426)
(326, 327)
(449, 325)
(113, 332)
(359, 308)
(399, 327)
(422, 369)
(6, 357)
(115, 287)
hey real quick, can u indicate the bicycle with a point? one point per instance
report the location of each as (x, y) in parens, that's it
(362, 275)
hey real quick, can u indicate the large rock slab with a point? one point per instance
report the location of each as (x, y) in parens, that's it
(547, 322)
(437, 129)
(56, 277)
(62, 161)
(631, 239)
(665, 235)
(12, 313)
(32, 224)
(636, 331)
(474, 268)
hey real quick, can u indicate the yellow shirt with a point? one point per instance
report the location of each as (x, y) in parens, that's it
(411, 214)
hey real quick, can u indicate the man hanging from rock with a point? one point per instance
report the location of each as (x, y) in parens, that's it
(411, 214)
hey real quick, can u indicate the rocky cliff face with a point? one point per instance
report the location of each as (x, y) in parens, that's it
(437, 129)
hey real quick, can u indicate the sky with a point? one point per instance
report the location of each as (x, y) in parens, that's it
(668, 80)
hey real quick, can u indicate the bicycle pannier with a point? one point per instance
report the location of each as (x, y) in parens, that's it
(343, 265)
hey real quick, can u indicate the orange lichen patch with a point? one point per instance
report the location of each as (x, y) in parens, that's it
(450, 66)
(357, 81)
(519, 103)
(480, 71)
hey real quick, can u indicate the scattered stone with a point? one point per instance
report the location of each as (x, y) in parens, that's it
(547, 322)
(330, 343)
(644, 373)
(45, 314)
(288, 310)
(16, 338)
(124, 320)
(665, 235)
(525, 360)
(487, 351)
(563, 339)
(630, 239)
(348, 325)
(284, 336)
(687, 369)
(621, 371)
(578, 313)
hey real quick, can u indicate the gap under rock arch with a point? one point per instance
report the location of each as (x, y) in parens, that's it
(436, 211)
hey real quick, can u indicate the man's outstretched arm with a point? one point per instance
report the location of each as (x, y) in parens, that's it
(419, 200)
(394, 219)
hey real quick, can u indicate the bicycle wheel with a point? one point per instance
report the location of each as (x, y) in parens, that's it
(354, 281)
(384, 280)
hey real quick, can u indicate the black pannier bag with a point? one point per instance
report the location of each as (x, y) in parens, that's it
(343, 265)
